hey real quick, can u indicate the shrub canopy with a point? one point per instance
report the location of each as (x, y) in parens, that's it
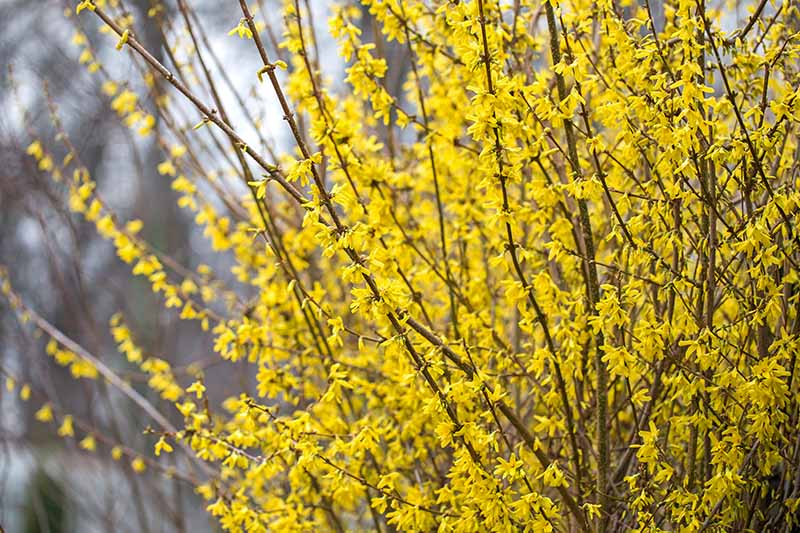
(547, 283)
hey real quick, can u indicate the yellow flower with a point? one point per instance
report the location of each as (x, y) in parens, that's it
(45, 413)
(88, 443)
(166, 168)
(242, 30)
(162, 445)
(66, 429)
(138, 465)
(85, 4)
(198, 388)
(35, 149)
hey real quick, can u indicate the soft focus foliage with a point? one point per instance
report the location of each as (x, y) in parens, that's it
(548, 284)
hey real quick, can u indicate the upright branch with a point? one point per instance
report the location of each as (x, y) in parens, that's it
(592, 279)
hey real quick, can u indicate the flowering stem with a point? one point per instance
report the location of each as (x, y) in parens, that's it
(592, 282)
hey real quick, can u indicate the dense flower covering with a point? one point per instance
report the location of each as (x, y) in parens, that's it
(550, 284)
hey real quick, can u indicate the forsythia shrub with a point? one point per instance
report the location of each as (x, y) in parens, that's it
(551, 284)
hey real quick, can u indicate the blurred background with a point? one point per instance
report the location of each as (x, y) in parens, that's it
(64, 270)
